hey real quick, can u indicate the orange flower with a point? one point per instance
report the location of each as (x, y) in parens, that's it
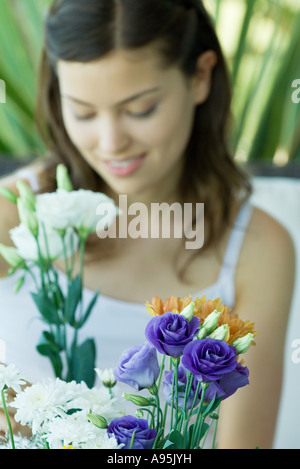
(237, 327)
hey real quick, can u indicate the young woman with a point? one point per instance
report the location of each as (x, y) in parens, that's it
(135, 100)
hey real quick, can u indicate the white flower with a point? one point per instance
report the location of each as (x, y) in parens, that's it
(42, 402)
(20, 442)
(82, 209)
(11, 377)
(106, 376)
(99, 401)
(102, 441)
(74, 429)
(27, 247)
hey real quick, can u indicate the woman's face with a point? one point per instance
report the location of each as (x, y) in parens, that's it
(130, 119)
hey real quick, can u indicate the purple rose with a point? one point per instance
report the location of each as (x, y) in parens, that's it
(209, 359)
(182, 382)
(138, 366)
(124, 427)
(170, 333)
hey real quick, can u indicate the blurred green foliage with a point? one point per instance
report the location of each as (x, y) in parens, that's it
(260, 39)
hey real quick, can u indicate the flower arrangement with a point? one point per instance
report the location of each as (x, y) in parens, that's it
(59, 412)
(203, 344)
(55, 226)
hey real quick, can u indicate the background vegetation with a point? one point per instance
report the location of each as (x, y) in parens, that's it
(260, 39)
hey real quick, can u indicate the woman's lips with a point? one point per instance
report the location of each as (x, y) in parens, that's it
(124, 167)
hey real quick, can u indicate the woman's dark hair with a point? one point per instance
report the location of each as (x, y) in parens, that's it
(181, 30)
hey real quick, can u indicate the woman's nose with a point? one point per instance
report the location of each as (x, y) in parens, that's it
(113, 138)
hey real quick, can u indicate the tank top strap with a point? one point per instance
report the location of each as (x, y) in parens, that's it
(235, 242)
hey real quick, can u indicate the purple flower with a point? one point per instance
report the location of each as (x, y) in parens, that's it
(124, 427)
(228, 384)
(209, 359)
(171, 332)
(138, 366)
(182, 383)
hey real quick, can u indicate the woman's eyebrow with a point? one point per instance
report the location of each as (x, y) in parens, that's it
(124, 101)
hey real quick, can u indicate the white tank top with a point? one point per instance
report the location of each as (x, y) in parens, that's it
(114, 324)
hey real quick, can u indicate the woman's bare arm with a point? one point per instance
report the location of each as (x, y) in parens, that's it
(265, 281)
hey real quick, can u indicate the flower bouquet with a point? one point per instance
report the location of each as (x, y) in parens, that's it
(202, 342)
(55, 226)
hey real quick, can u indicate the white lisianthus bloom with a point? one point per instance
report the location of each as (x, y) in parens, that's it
(11, 377)
(27, 248)
(83, 210)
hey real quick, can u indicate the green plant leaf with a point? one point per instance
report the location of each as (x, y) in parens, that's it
(174, 440)
(88, 310)
(46, 308)
(72, 300)
(48, 348)
(83, 362)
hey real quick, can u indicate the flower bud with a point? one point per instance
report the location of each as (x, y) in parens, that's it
(8, 195)
(28, 217)
(19, 284)
(188, 311)
(63, 180)
(97, 420)
(12, 257)
(221, 333)
(243, 343)
(107, 377)
(26, 194)
(209, 325)
(138, 400)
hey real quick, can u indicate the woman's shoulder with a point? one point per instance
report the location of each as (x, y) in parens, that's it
(268, 254)
(267, 231)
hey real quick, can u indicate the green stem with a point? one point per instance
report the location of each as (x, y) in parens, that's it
(162, 367)
(217, 411)
(176, 391)
(8, 420)
(199, 419)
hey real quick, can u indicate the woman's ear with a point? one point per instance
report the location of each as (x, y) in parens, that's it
(202, 77)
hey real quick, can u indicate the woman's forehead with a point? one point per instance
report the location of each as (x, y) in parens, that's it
(121, 75)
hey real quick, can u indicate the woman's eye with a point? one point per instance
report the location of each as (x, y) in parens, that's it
(84, 117)
(146, 113)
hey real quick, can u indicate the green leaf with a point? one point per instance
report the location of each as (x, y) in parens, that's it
(83, 362)
(73, 299)
(46, 308)
(48, 348)
(88, 310)
(175, 440)
(214, 403)
(47, 343)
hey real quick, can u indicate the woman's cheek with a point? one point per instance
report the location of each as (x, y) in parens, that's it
(82, 135)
